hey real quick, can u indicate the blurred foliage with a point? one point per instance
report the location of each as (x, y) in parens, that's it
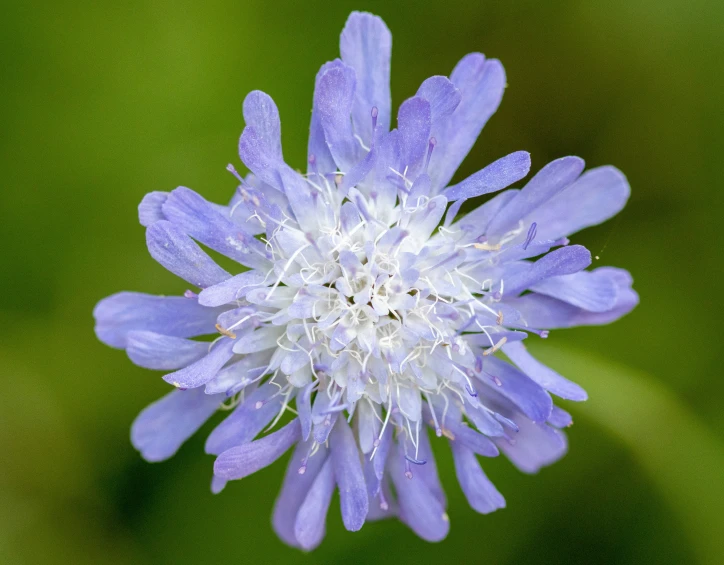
(105, 101)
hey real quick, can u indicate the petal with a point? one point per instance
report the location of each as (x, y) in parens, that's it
(475, 223)
(518, 388)
(231, 289)
(413, 122)
(472, 440)
(162, 352)
(295, 489)
(149, 210)
(496, 176)
(246, 421)
(541, 311)
(335, 97)
(596, 196)
(544, 376)
(559, 418)
(201, 220)
(534, 446)
(177, 316)
(548, 182)
(320, 159)
(262, 114)
(419, 508)
(428, 471)
(563, 261)
(260, 339)
(594, 291)
(482, 495)
(252, 146)
(442, 95)
(366, 46)
(171, 247)
(309, 525)
(161, 428)
(481, 83)
(348, 474)
(244, 460)
(304, 409)
(204, 369)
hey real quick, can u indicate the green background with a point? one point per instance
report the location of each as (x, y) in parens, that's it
(101, 102)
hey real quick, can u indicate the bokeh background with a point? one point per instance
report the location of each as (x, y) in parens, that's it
(101, 102)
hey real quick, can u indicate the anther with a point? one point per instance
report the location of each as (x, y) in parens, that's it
(531, 235)
(234, 172)
(375, 112)
(190, 294)
(430, 146)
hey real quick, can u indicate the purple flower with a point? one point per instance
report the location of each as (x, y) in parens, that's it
(366, 307)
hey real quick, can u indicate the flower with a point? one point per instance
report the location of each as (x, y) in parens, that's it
(367, 308)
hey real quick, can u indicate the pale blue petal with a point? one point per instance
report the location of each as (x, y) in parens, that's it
(162, 427)
(244, 460)
(177, 316)
(547, 182)
(176, 251)
(349, 476)
(482, 495)
(496, 176)
(162, 352)
(205, 369)
(544, 376)
(366, 46)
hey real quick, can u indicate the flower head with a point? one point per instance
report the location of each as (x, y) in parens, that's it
(366, 307)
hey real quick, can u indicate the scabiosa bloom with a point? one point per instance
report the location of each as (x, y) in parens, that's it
(364, 306)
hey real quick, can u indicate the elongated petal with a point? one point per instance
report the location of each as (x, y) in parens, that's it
(482, 495)
(177, 316)
(259, 340)
(596, 196)
(366, 46)
(252, 152)
(149, 210)
(442, 95)
(231, 289)
(244, 460)
(171, 247)
(544, 376)
(563, 261)
(472, 440)
(548, 182)
(162, 427)
(419, 508)
(201, 220)
(309, 525)
(262, 114)
(414, 122)
(521, 390)
(541, 311)
(335, 97)
(534, 446)
(496, 176)
(349, 476)
(481, 83)
(594, 291)
(298, 482)
(204, 369)
(246, 421)
(162, 352)
(321, 161)
(559, 418)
